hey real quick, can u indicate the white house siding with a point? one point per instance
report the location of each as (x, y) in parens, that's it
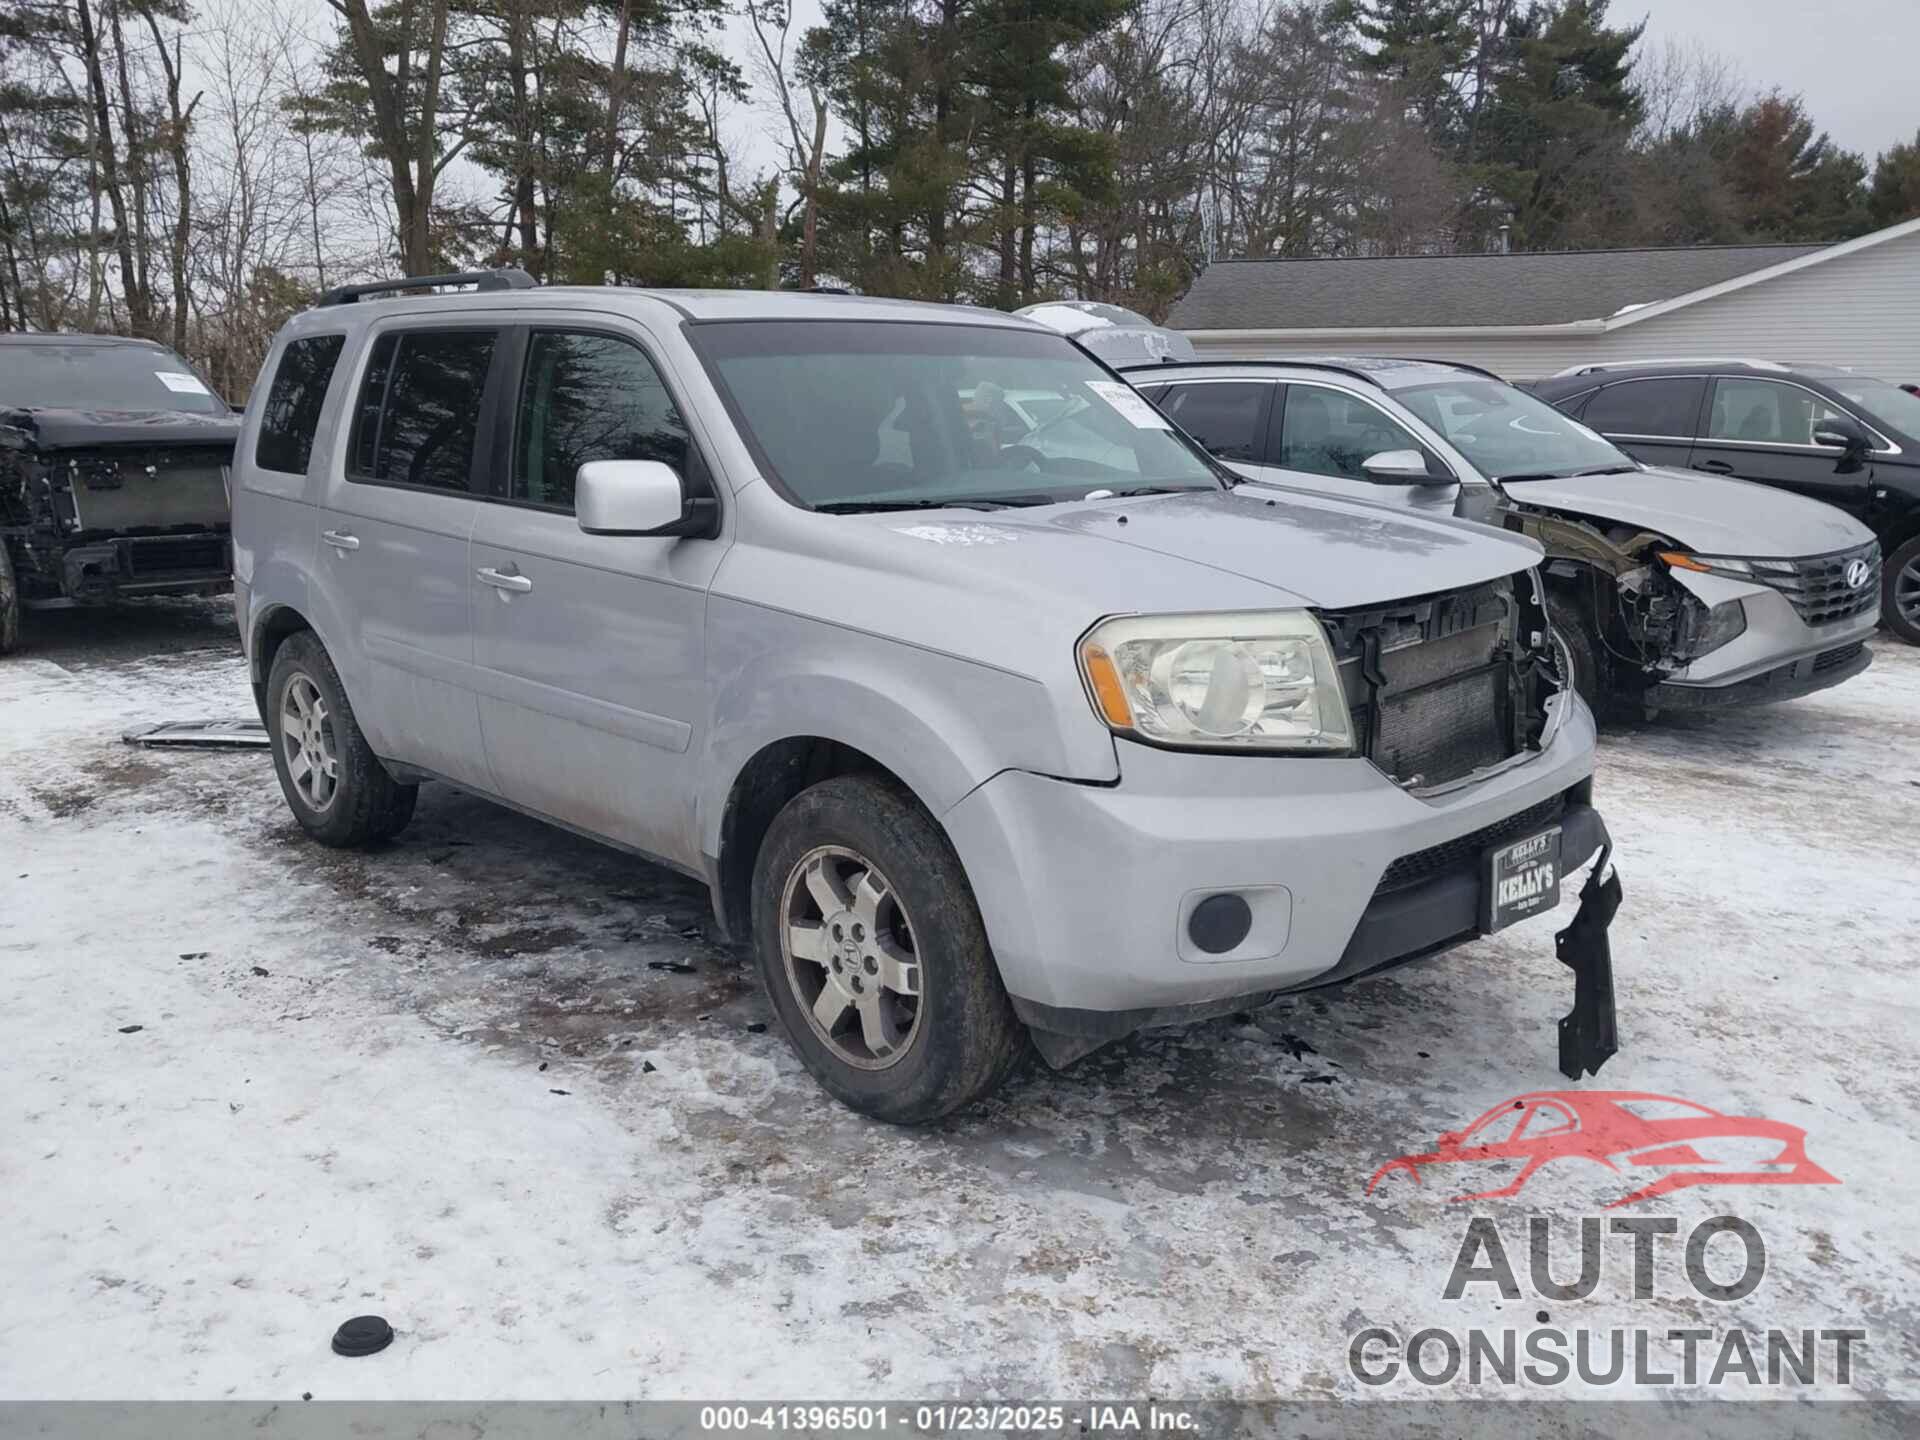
(1861, 310)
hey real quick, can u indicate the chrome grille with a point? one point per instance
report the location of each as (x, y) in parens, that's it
(1818, 588)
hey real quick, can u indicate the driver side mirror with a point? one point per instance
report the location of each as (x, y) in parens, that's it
(1402, 467)
(640, 497)
(1839, 432)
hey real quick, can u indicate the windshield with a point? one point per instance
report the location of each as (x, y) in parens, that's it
(1509, 434)
(884, 415)
(1889, 403)
(101, 377)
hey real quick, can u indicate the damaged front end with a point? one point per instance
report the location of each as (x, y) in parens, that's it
(1650, 624)
(98, 505)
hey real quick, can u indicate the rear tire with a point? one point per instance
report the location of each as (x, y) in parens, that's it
(335, 785)
(9, 603)
(874, 955)
(1900, 592)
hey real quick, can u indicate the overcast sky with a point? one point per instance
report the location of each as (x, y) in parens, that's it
(1853, 60)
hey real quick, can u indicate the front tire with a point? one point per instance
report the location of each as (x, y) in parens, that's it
(335, 785)
(874, 955)
(1900, 592)
(9, 603)
(1590, 678)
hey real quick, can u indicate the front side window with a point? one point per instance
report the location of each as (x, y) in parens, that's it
(1648, 407)
(893, 415)
(1497, 1128)
(1226, 418)
(1509, 434)
(1765, 412)
(1548, 1118)
(420, 408)
(1328, 432)
(292, 410)
(588, 397)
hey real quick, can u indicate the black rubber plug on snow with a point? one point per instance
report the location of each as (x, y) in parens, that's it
(362, 1335)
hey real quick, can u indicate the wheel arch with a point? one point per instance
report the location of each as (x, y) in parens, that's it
(761, 788)
(272, 628)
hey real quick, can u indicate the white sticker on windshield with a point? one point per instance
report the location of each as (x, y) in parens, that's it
(181, 383)
(1130, 403)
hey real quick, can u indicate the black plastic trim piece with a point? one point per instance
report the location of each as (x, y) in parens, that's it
(508, 278)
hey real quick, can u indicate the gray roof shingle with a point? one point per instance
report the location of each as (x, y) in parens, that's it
(1399, 292)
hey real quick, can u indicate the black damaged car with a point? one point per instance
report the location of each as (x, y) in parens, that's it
(113, 470)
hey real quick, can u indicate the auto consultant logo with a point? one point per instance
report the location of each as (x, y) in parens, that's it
(1636, 1146)
(1655, 1353)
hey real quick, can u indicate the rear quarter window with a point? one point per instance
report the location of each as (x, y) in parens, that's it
(291, 414)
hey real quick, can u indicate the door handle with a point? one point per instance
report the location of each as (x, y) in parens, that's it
(500, 580)
(1718, 467)
(340, 539)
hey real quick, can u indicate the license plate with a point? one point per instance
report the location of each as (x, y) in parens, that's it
(1523, 879)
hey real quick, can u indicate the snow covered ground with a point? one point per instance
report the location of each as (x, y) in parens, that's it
(451, 1083)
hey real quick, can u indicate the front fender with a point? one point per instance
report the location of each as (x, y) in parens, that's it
(942, 724)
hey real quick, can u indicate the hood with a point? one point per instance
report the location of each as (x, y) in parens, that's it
(1012, 589)
(1314, 549)
(52, 429)
(1116, 335)
(1708, 514)
(1253, 548)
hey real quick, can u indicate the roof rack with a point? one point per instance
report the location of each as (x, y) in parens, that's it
(1351, 370)
(1658, 363)
(504, 279)
(1450, 365)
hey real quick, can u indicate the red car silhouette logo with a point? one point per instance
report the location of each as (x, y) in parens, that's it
(1655, 1143)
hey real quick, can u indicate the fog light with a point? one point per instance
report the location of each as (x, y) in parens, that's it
(1219, 923)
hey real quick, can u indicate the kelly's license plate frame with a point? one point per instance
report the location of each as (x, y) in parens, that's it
(1522, 880)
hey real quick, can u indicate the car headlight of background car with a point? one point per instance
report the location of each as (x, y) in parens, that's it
(1258, 681)
(1708, 629)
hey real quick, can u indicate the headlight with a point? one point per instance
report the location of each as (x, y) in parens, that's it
(1724, 622)
(1708, 564)
(1260, 681)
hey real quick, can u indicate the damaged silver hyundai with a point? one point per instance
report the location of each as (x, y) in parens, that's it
(1675, 589)
(979, 743)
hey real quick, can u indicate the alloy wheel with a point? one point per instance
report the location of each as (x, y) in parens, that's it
(1906, 592)
(307, 741)
(848, 949)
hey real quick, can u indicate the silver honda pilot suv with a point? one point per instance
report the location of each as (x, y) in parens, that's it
(987, 711)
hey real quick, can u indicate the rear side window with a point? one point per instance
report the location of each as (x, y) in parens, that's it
(1226, 418)
(1647, 407)
(292, 411)
(420, 407)
(588, 397)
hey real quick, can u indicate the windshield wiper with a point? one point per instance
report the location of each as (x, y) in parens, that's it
(1165, 490)
(1568, 474)
(874, 507)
